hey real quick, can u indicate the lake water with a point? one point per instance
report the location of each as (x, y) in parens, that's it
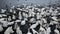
(10, 3)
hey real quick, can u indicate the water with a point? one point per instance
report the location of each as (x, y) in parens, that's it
(10, 3)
